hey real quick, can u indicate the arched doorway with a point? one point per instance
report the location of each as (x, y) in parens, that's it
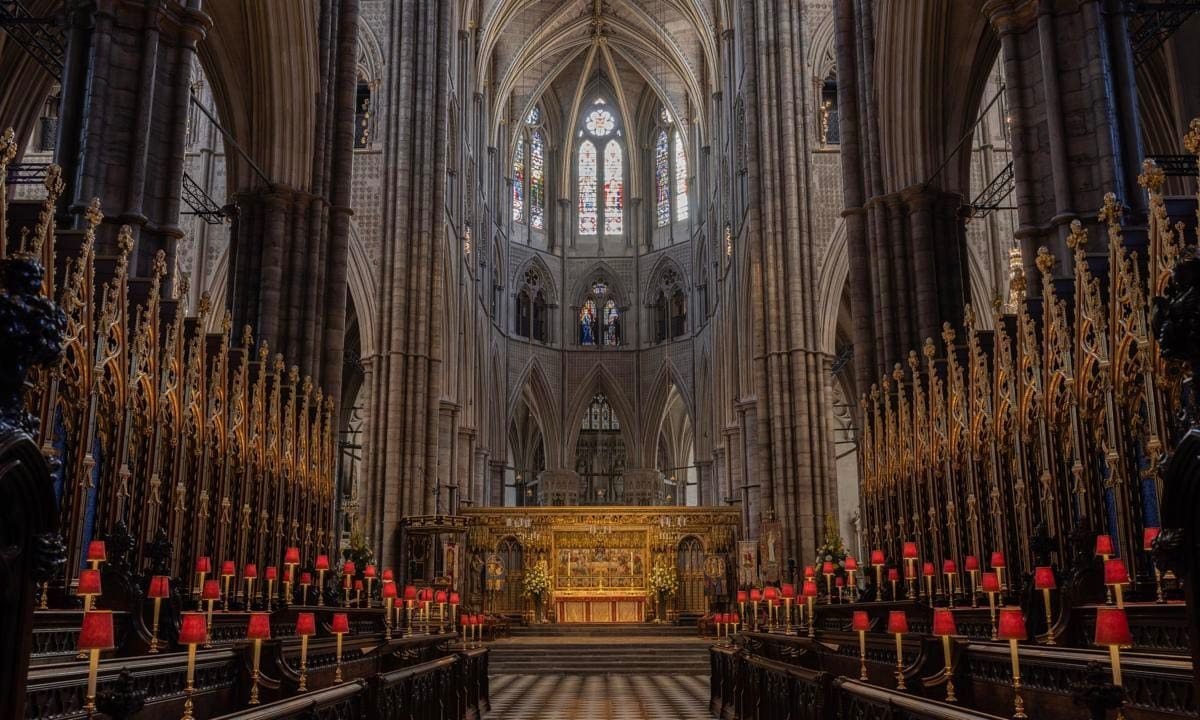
(508, 600)
(690, 566)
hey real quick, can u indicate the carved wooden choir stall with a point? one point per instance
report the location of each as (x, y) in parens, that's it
(1030, 511)
(166, 508)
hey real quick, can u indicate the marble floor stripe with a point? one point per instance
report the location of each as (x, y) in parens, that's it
(598, 697)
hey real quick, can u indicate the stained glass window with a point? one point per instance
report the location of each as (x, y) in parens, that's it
(534, 117)
(588, 210)
(587, 323)
(599, 415)
(611, 328)
(600, 123)
(681, 175)
(662, 178)
(518, 182)
(537, 180)
(614, 189)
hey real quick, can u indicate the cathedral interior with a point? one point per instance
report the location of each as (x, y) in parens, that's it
(448, 359)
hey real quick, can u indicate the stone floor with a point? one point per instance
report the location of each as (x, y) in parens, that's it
(599, 697)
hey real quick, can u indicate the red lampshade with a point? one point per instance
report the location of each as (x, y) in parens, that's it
(897, 622)
(306, 624)
(1104, 545)
(1148, 536)
(810, 572)
(810, 588)
(272, 572)
(878, 558)
(389, 589)
(410, 592)
(827, 569)
(949, 566)
(464, 619)
(1115, 572)
(928, 569)
(1112, 627)
(340, 624)
(943, 623)
(291, 556)
(211, 590)
(860, 621)
(970, 563)
(358, 584)
(388, 574)
(998, 560)
(851, 563)
(839, 581)
(441, 596)
(369, 571)
(893, 575)
(251, 572)
(910, 551)
(160, 587)
(1043, 578)
(735, 618)
(306, 578)
(777, 602)
(770, 593)
(349, 568)
(89, 582)
(228, 569)
(259, 627)
(192, 630)
(788, 590)
(454, 598)
(322, 563)
(990, 583)
(1012, 624)
(96, 551)
(97, 631)
(203, 564)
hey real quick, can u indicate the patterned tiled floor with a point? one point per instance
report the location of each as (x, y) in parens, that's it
(598, 697)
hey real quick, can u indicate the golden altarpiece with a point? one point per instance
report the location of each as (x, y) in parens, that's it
(599, 559)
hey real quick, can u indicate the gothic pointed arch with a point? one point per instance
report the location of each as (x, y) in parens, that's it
(655, 408)
(599, 379)
(534, 387)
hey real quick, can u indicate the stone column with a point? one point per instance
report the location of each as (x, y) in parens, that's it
(125, 91)
(404, 451)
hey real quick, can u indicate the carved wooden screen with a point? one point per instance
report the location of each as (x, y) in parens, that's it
(509, 600)
(691, 577)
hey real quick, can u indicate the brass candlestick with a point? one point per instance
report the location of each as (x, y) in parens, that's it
(949, 670)
(974, 584)
(1018, 701)
(208, 625)
(862, 655)
(254, 674)
(303, 664)
(190, 688)
(900, 662)
(154, 628)
(812, 617)
(337, 673)
(320, 590)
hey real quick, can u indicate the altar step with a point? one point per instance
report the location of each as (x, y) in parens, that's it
(603, 630)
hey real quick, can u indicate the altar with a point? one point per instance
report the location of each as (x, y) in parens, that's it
(596, 561)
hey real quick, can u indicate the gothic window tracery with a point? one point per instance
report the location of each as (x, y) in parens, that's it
(599, 317)
(531, 307)
(529, 173)
(670, 171)
(601, 200)
(669, 308)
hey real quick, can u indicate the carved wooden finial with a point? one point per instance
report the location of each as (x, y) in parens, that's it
(913, 360)
(93, 215)
(125, 241)
(928, 350)
(247, 336)
(948, 334)
(293, 375)
(1045, 261)
(1077, 238)
(1111, 212)
(1152, 177)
